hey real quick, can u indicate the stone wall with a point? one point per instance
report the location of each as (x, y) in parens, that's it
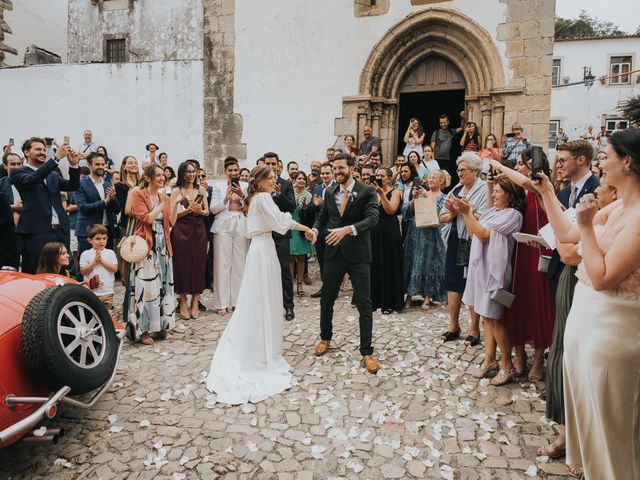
(5, 5)
(222, 127)
(528, 34)
(156, 30)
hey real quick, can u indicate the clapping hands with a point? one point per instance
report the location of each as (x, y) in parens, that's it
(462, 205)
(586, 210)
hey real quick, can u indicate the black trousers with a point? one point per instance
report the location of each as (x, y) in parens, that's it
(320, 246)
(360, 274)
(283, 251)
(33, 244)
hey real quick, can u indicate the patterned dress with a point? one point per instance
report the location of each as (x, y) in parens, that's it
(424, 258)
(299, 245)
(152, 305)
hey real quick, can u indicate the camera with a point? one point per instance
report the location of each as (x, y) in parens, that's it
(378, 181)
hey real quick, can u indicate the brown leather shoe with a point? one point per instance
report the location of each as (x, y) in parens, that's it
(322, 347)
(370, 364)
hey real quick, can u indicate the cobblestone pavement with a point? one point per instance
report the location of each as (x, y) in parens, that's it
(421, 416)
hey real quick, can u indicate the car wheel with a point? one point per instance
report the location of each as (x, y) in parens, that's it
(68, 338)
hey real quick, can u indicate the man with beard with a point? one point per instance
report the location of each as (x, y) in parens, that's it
(314, 177)
(43, 218)
(97, 203)
(349, 212)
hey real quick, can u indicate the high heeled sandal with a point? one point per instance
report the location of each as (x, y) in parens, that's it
(300, 290)
(448, 336)
(485, 371)
(555, 449)
(503, 377)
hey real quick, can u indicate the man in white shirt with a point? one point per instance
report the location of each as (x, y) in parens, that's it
(12, 161)
(230, 243)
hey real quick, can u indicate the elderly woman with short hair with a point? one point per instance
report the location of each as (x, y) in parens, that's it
(474, 190)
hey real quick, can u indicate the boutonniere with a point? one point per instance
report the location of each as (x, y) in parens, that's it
(353, 195)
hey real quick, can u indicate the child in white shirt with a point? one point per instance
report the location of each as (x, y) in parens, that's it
(100, 261)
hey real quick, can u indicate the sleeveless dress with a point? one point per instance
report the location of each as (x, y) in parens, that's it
(424, 260)
(530, 319)
(386, 268)
(248, 365)
(298, 244)
(602, 375)
(189, 242)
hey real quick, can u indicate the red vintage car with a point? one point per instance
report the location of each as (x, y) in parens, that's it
(56, 340)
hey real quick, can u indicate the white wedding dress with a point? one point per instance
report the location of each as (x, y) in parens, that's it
(247, 365)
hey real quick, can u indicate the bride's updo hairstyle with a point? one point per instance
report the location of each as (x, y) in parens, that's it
(627, 142)
(257, 175)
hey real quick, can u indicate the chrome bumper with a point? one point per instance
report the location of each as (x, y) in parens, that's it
(60, 396)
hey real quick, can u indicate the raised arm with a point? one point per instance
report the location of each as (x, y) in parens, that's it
(566, 231)
(516, 177)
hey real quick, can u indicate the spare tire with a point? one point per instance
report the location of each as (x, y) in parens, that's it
(68, 338)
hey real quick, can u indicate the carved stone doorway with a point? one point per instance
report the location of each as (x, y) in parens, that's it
(433, 32)
(433, 87)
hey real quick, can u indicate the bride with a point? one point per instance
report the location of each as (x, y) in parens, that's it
(247, 365)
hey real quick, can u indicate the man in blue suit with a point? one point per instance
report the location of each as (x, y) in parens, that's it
(11, 161)
(97, 202)
(326, 181)
(43, 218)
(575, 157)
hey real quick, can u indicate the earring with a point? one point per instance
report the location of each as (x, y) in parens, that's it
(626, 170)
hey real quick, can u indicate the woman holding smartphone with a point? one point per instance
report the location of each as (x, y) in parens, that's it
(189, 239)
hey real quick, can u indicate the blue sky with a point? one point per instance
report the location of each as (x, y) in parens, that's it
(624, 13)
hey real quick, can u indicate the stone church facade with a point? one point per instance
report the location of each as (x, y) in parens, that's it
(296, 77)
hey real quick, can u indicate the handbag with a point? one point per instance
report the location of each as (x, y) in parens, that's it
(503, 296)
(426, 212)
(133, 248)
(464, 251)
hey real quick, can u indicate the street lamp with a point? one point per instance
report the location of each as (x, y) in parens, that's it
(588, 77)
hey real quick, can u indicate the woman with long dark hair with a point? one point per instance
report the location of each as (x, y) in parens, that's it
(54, 258)
(386, 247)
(299, 247)
(189, 239)
(413, 137)
(248, 365)
(471, 141)
(408, 173)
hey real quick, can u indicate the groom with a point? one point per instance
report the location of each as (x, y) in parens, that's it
(349, 211)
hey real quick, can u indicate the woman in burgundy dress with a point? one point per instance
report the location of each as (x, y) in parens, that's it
(189, 239)
(530, 319)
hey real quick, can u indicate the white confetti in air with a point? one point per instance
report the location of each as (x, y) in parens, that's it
(112, 418)
(229, 449)
(157, 445)
(543, 459)
(145, 423)
(116, 429)
(166, 396)
(504, 439)
(511, 424)
(532, 471)
(480, 456)
(39, 432)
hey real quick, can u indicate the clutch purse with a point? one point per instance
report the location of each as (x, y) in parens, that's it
(543, 263)
(503, 297)
(464, 252)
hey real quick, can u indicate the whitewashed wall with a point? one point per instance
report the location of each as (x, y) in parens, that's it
(37, 22)
(157, 30)
(296, 62)
(577, 107)
(125, 106)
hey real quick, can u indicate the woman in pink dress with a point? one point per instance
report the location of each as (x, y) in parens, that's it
(530, 319)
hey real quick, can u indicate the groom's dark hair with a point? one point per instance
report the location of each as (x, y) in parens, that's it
(343, 156)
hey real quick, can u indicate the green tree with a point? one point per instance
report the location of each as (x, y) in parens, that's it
(585, 26)
(630, 109)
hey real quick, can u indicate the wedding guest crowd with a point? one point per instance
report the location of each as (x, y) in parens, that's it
(441, 236)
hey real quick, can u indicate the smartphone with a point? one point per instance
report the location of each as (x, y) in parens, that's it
(48, 141)
(417, 182)
(490, 174)
(537, 165)
(378, 181)
(66, 140)
(235, 181)
(11, 142)
(198, 198)
(510, 135)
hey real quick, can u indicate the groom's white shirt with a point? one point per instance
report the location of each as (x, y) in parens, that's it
(225, 220)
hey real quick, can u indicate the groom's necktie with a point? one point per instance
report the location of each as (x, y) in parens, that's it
(343, 204)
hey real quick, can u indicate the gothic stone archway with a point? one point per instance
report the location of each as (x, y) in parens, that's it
(434, 31)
